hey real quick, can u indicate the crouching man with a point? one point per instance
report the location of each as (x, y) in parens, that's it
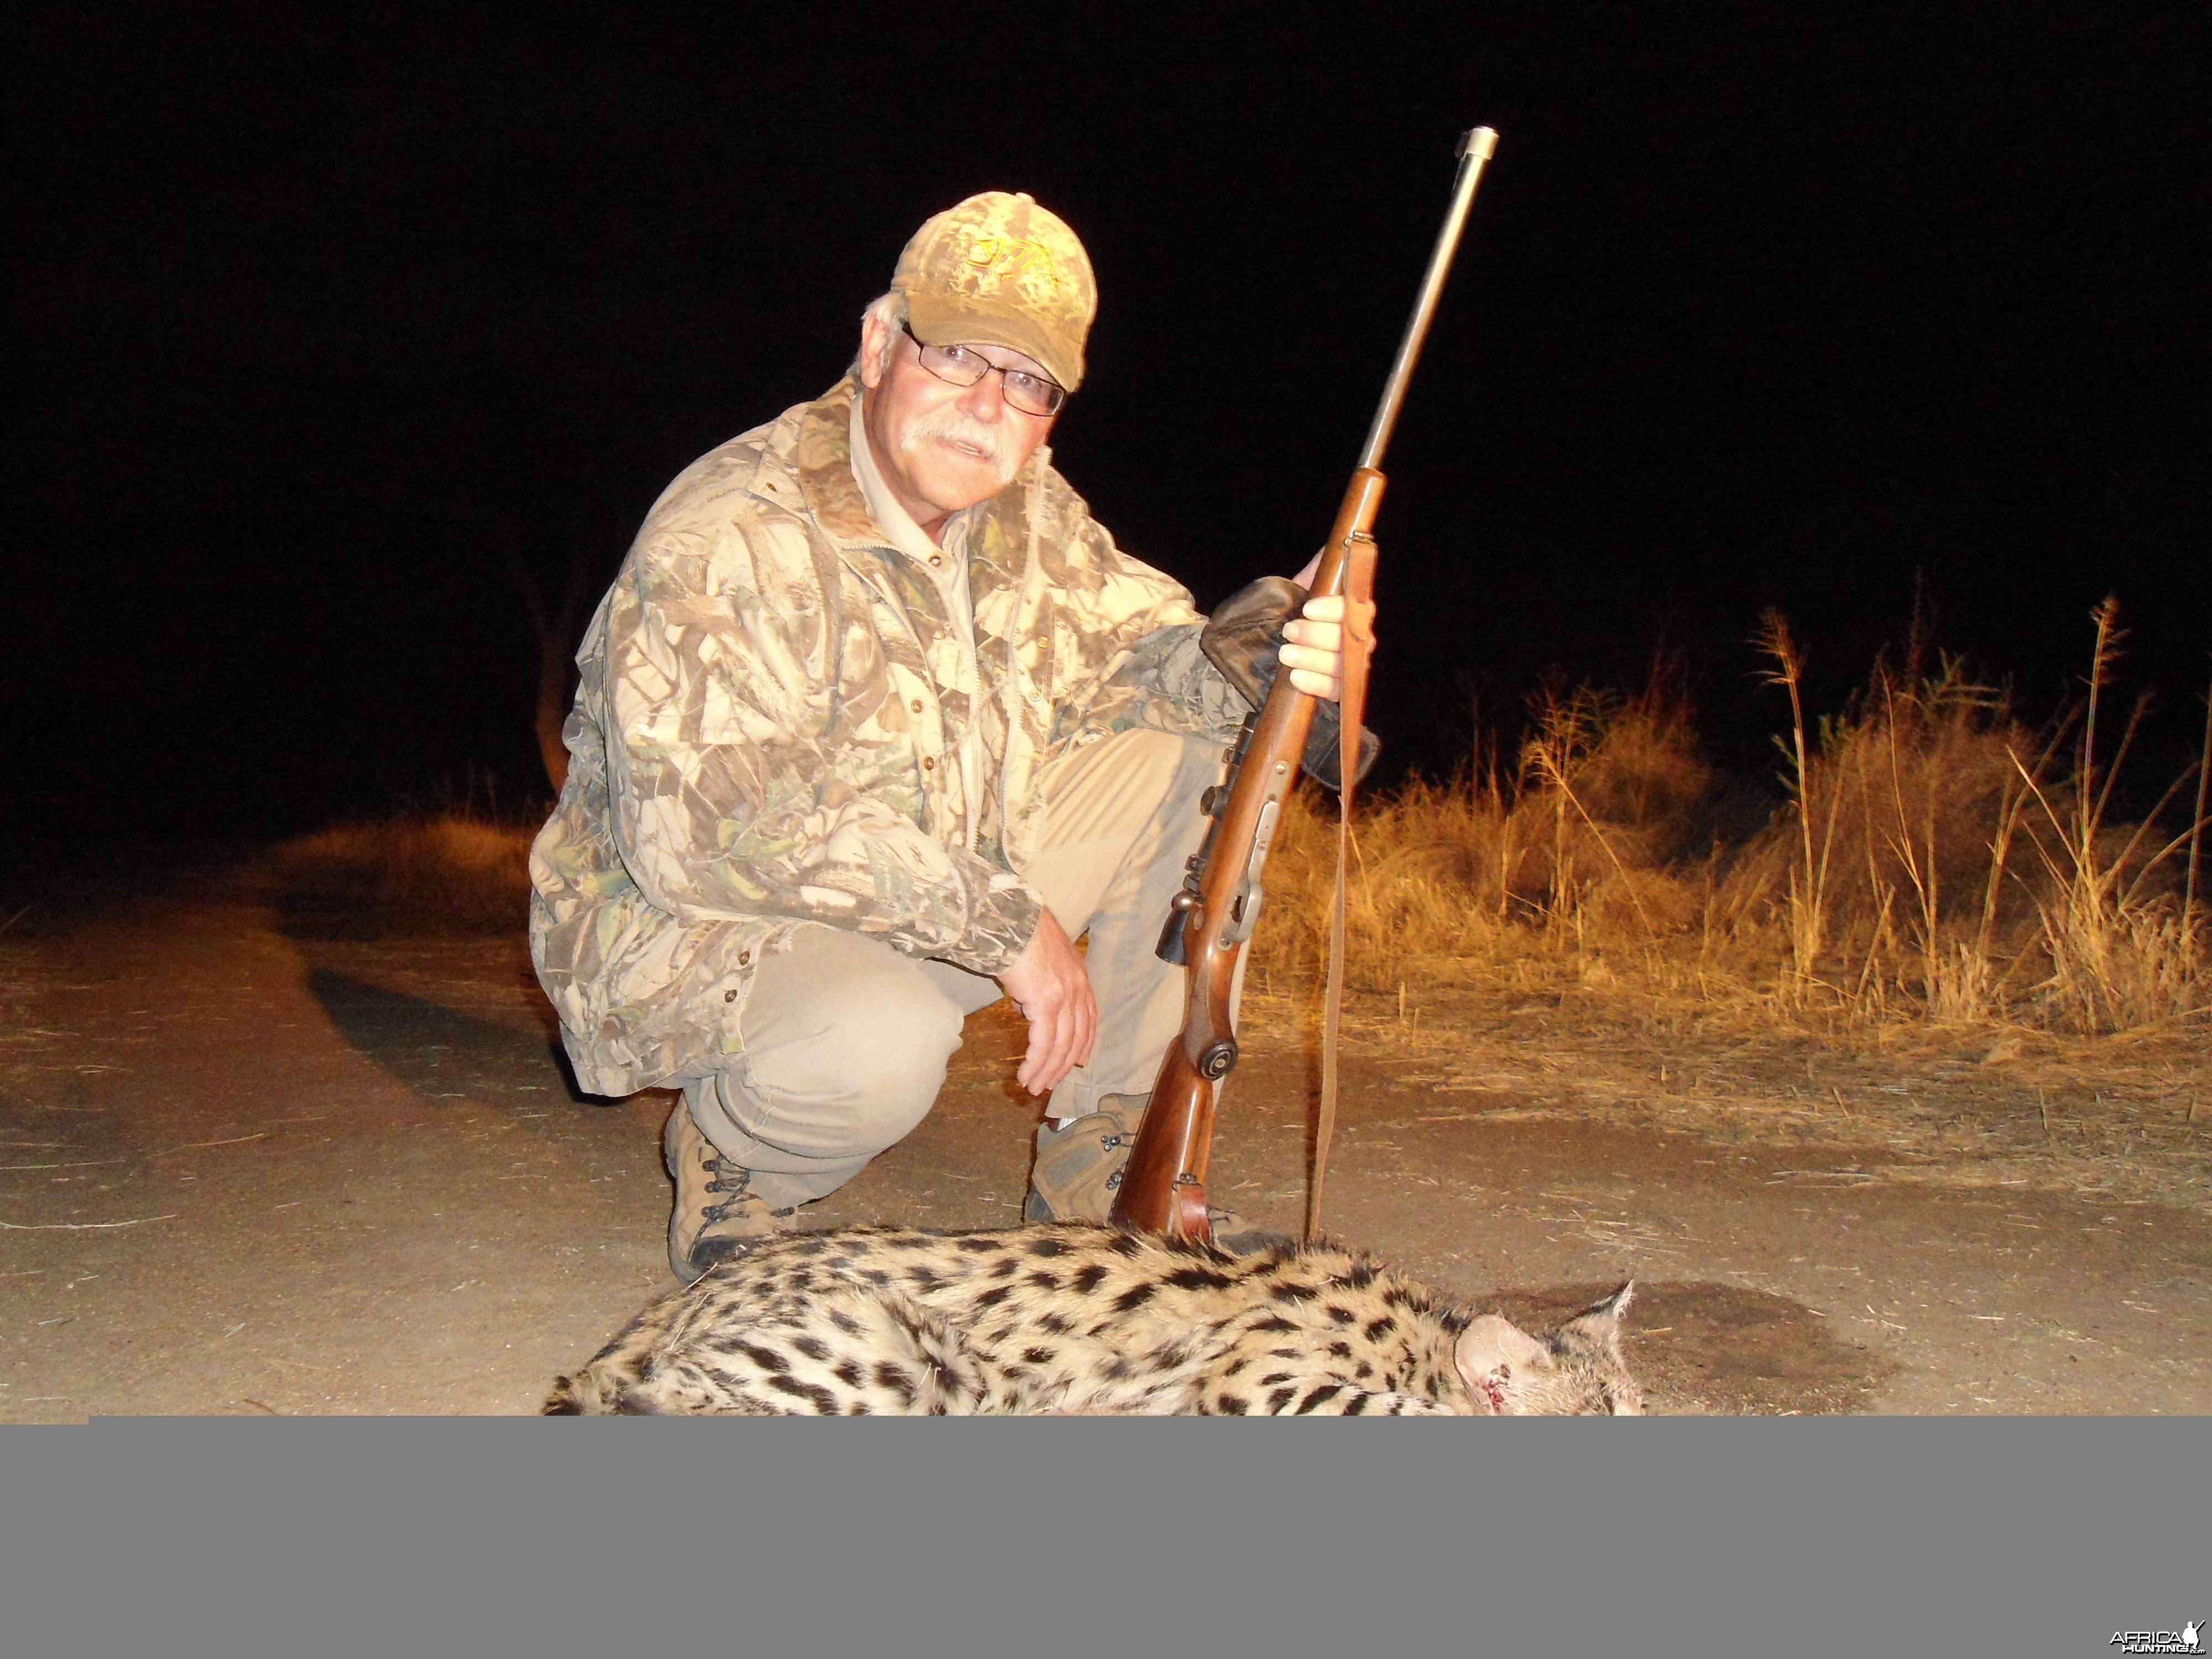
(874, 723)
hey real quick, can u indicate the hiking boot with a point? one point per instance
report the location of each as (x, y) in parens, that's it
(716, 1217)
(1079, 1166)
(1078, 1170)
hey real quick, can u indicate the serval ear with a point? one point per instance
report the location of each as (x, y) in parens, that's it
(1496, 1357)
(1596, 1329)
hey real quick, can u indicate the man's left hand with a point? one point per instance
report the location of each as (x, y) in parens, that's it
(1313, 649)
(1313, 642)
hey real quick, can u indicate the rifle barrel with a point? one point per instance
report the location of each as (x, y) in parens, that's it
(1476, 147)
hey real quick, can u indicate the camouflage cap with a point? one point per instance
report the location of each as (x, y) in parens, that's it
(998, 269)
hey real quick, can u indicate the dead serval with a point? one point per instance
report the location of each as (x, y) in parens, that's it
(1080, 1319)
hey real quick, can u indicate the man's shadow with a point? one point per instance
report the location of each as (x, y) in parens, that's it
(441, 1054)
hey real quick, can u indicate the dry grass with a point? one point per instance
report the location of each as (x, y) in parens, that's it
(2123, 949)
(1581, 851)
(453, 870)
(1935, 863)
(1889, 881)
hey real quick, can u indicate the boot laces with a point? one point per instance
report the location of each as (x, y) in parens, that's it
(724, 1177)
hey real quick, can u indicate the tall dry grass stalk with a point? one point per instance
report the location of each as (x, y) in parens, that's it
(2197, 823)
(1807, 904)
(1564, 745)
(2121, 952)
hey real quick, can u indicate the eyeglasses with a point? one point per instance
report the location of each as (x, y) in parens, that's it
(960, 365)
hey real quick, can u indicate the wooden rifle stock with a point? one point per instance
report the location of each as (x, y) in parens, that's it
(1163, 1189)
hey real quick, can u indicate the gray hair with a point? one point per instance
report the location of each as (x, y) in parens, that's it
(889, 310)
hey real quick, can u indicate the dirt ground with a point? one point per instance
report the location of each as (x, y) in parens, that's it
(251, 1164)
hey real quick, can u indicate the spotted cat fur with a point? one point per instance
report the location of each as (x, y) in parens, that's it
(1062, 1318)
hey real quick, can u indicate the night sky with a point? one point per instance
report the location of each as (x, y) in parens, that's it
(318, 327)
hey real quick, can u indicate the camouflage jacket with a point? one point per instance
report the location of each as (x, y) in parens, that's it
(768, 725)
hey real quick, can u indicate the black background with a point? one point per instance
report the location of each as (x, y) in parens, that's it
(320, 319)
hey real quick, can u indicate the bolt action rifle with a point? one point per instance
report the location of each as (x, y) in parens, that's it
(1164, 1188)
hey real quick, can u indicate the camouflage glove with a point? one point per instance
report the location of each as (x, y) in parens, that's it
(1242, 638)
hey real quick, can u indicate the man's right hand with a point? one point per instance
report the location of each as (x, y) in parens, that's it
(1050, 986)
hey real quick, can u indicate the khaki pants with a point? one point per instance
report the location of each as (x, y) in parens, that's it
(846, 1041)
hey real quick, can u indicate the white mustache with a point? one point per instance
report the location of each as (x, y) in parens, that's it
(952, 425)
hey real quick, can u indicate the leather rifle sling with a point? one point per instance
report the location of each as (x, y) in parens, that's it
(1476, 147)
(1358, 646)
